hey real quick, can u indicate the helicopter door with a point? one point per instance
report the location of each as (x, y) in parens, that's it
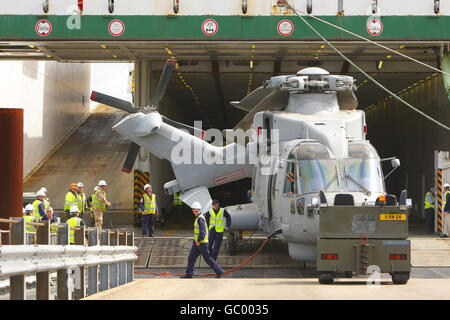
(270, 186)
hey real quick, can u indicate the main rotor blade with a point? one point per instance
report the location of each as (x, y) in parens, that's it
(133, 152)
(113, 102)
(163, 82)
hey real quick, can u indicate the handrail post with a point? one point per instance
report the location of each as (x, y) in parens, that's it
(122, 264)
(130, 264)
(62, 285)
(93, 270)
(113, 241)
(104, 268)
(80, 282)
(17, 236)
(43, 278)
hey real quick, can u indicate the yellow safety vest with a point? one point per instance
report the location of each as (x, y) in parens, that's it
(46, 203)
(428, 204)
(36, 204)
(149, 204)
(96, 201)
(81, 202)
(176, 199)
(30, 228)
(217, 220)
(73, 222)
(197, 229)
(71, 200)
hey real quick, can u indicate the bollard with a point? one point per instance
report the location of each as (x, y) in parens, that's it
(104, 268)
(122, 264)
(17, 236)
(113, 241)
(80, 279)
(130, 264)
(43, 278)
(62, 287)
(93, 270)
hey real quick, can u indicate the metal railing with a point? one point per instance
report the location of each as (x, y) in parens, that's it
(108, 256)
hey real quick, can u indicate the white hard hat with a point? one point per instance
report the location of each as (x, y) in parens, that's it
(102, 183)
(74, 209)
(196, 205)
(446, 185)
(44, 189)
(147, 186)
(40, 193)
(80, 185)
(29, 207)
(23, 210)
(95, 188)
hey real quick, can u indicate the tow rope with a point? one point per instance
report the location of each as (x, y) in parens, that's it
(238, 267)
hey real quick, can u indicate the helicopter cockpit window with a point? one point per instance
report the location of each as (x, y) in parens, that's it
(362, 168)
(316, 171)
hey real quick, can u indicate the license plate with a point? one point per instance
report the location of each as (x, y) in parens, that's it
(384, 217)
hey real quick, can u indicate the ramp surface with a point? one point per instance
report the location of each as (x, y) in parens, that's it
(94, 152)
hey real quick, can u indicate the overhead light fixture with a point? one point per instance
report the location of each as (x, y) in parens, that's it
(103, 46)
(402, 46)
(322, 46)
(251, 64)
(388, 57)
(379, 65)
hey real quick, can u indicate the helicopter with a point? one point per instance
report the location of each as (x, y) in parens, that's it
(317, 183)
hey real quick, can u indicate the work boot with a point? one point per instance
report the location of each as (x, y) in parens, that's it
(219, 275)
(186, 277)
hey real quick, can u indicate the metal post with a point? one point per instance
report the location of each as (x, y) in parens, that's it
(62, 286)
(17, 284)
(11, 165)
(104, 268)
(93, 270)
(130, 264)
(80, 281)
(122, 264)
(43, 278)
(113, 241)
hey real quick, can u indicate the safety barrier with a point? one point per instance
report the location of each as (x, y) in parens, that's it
(108, 257)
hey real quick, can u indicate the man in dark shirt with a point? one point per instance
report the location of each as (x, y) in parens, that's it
(200, 244)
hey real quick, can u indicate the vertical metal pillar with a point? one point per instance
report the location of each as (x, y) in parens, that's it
(104, 268)
(11, 165)
(440, 208)
(43, 278)
(130, 264)
(80, 279)
(122, 264)
(62, 285)
(17, 236)
(113, 241)
(93, 270)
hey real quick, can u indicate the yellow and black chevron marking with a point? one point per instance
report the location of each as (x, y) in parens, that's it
(141, 178)
(439, 198)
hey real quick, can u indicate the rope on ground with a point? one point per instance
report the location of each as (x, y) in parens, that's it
(238, 267)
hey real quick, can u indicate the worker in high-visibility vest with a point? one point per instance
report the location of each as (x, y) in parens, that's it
(446, 209)
(177, 206)
(100, 204)
(149, 210)
(46, 199)
(74, 221)
(90, 219)
(81, 198)
(38, 205)
(71, 198)
(200, 244)
(217, 225)
(28, 216)
(429, 205)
